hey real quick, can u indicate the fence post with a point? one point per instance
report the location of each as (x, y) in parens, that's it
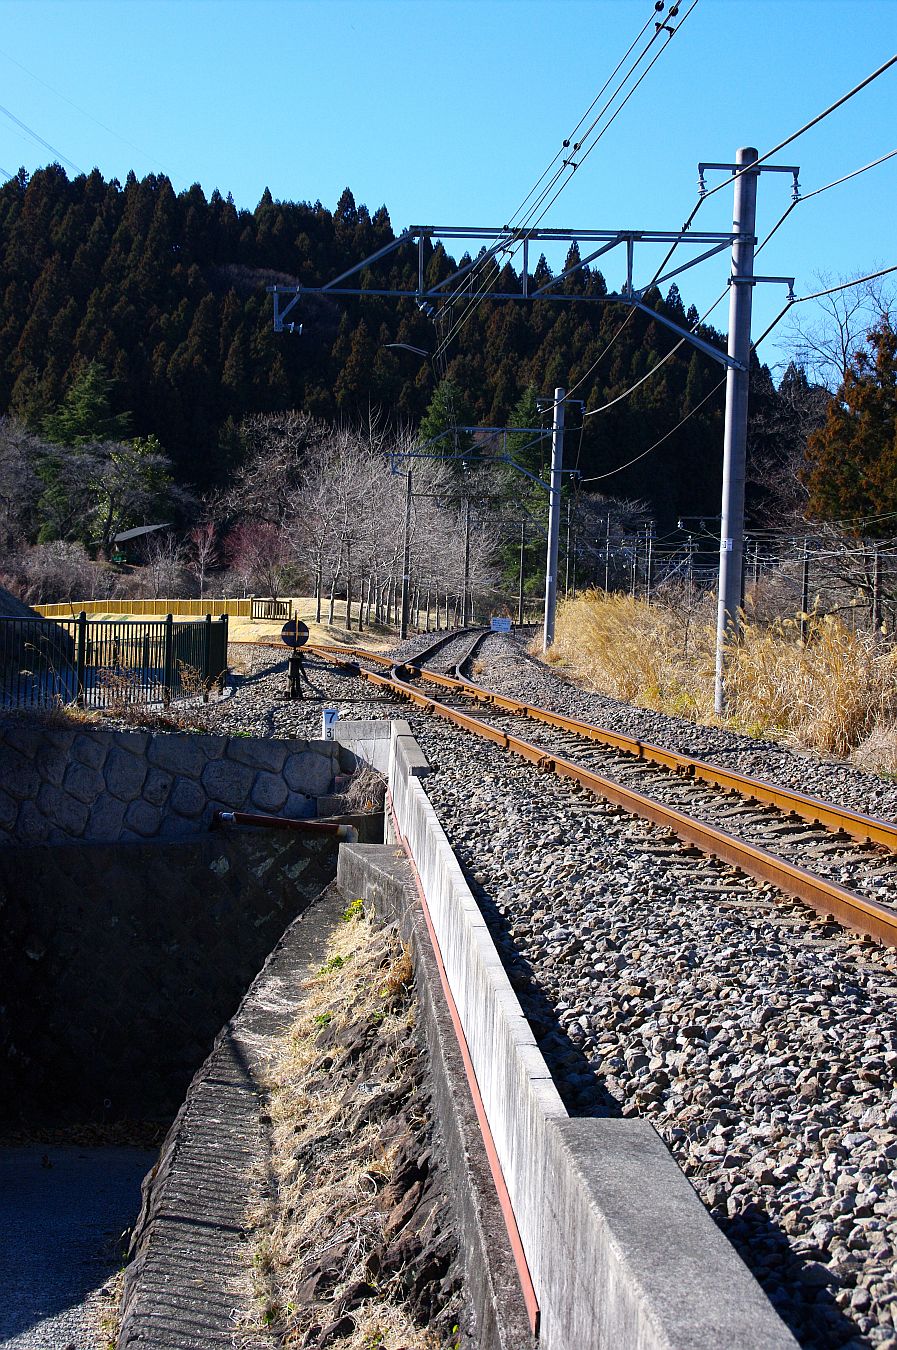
(80, 673)
(167, 660)
(223, 675)
(206, 658)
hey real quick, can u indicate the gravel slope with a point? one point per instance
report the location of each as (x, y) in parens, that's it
(63, 1211)
(762, 1047)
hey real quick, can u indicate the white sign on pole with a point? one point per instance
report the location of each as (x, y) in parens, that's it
(329, 719)
(500, 625)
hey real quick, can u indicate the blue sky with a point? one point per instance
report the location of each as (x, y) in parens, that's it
(447, 111)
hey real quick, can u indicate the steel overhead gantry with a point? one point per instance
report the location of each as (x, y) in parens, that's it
(741, 240)
(497, 242)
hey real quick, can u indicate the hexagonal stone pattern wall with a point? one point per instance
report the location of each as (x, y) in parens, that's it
(104, 786)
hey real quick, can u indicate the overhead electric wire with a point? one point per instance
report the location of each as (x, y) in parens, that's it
(872, 276)
(46, 144)
(78, 108)
(528, 223)
(671, 33)
(846, 178)
(568, 141)
(597, 478)
(781, 220)
(817, 295)
(750, 168)
(527, 217)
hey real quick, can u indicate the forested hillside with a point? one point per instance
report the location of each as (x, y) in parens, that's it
(167, 292)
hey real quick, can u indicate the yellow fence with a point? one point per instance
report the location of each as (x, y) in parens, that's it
(238, 609)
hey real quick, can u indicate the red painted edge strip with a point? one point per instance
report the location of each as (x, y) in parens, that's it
(504, 1199)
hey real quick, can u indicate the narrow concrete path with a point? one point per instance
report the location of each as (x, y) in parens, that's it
(63, 1210)
(188, 1285)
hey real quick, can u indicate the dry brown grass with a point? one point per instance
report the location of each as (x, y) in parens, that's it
(366, 789)
(878, 752)
(828, 695)
(321, 1185)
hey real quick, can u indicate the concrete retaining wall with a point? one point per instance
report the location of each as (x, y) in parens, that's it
(622, 1254)
(119, 962)
(98, 785)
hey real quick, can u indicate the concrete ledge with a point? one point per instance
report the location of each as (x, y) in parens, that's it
(382, 876)
(405, 752)
(622, 1254)
(367, 740)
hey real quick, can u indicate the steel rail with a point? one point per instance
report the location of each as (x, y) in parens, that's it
(815, 811)
(866, 829)
(867, 917)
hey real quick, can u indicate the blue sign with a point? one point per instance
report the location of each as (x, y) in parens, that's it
(500, 625)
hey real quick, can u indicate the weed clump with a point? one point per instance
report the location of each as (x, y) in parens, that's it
(829, 693)
(351, 1243)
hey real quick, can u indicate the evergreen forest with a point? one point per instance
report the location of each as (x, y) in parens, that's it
(165, 293)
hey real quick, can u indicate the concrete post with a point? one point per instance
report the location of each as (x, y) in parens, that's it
(731, 544)
(465, 596)
(554, 517)
(406, 557)
(520, 583)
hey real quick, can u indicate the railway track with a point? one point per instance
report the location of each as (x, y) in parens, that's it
(757, 1038)
(823, 854)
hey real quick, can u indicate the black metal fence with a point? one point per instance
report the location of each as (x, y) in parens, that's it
(103, 662)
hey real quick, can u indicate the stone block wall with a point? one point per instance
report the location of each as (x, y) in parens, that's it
(102, 786)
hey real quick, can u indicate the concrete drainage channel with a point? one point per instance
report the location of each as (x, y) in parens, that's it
(576, 1233)
(129, 933)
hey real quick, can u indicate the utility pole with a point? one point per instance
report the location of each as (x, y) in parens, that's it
(607, 556)
(731, 544)
(876, 593)
(804, 594)
(464, 601)
(520, 583)
(406, 557)
(567, 555)
(554, 517)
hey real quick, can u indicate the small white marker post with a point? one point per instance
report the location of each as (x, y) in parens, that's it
(329, 719)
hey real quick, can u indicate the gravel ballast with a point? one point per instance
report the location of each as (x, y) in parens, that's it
(759, 1040)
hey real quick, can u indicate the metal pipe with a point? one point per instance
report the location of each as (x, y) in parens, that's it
(346, 833)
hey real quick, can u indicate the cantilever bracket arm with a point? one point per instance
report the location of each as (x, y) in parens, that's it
(706, 347)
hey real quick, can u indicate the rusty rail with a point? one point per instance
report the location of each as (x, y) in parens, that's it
(868, 917)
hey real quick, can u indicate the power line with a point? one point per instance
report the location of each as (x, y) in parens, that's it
(671, 33)
(872, 276)
(46, 144)
(527, 217)
(568, 141)
(874, 164)
(528, 222)
(782, 218)
(620, 467)
(751, 168)
(77, 107)
(817, 295)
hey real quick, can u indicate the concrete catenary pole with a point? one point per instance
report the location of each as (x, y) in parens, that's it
(406, 557)
(520, 581)
(465, 584)
(554, 518)
(731, 544)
